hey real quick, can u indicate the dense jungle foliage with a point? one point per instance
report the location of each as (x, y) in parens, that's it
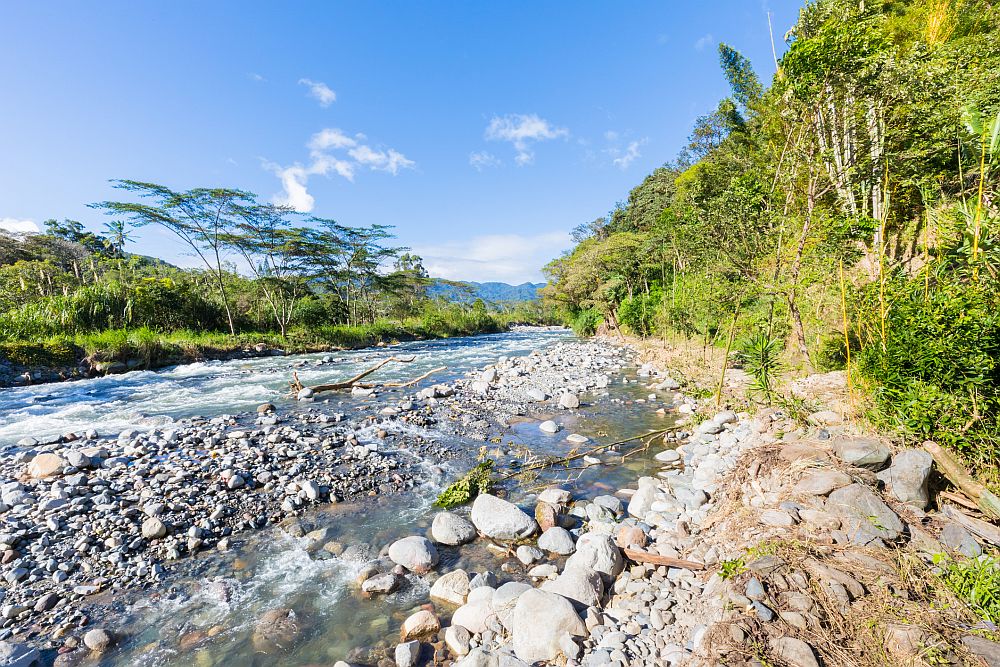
(266, 275)
(848, 209)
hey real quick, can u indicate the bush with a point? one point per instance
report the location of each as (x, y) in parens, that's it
(50, 353)
(585, 322)
(639, 313)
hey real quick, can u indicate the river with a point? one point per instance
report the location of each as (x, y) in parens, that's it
(204, 611)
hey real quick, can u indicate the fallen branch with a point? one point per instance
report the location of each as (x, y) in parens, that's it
(408, 383)
(297, 385)
(640, 556)
(985, 530)
(566, 459)
(956, 473)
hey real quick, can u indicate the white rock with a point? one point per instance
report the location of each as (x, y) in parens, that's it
(540, 619)
(499, 519)
(415, 553)
(451, 529)
(549, 426)
(452, 587)
(558, 540)
(597, 552)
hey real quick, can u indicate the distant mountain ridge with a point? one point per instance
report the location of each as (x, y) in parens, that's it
(489, 291)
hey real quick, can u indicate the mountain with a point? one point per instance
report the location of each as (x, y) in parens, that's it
(493, 292)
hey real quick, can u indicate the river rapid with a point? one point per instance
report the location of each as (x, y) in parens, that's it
(203, 605)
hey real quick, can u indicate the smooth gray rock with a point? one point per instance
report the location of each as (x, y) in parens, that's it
(499, 519)
(597, 552)
(821, 482)
(861, 452)
(984, 648)
(863, 515)
(581, 586)
(540, 619)
(569, 401)
(957, 538)
(415, 553)
(451, 529)
(18, 655)
(907, 476)
(557, 540)
(407, 653)
(794, 651)
(452, 587)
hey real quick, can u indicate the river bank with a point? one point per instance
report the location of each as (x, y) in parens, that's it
(733, 539)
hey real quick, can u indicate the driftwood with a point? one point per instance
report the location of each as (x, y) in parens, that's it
(985, 530)
(297, 386)
(640, 556)
(408, 383)
(956, 473)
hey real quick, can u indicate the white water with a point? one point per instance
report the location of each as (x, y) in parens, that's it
(147, 399)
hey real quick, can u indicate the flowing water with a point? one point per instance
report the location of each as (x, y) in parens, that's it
(205, 611)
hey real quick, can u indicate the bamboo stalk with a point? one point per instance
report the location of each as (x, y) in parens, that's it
(725, 359)
(960, 477)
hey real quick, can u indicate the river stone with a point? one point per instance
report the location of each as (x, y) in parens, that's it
(457, 639)
(419, 625)
(536, 395)
(957, 538)
(555, 496)
(821, 482)
(557, 540)
(581, 586)
(988, 651)
(46, 465)
(907, 476)
(642, 500)
(569, 401)
(549, 426)
(381, 584)
(577, 439)
(864, 516)
(277, 630)
(415, 553)
(407, 653)
(499, 519)
(452, 587)
(528, 554)
(540, 619)
(451, 529)
(794, 651)
(597, 552)
(505, 599)
(630, 536)
(861, 452)
(153, 528)
(474, 614)
(18, 655)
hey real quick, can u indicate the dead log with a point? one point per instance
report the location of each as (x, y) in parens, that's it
(985, 530)
(408, 383)
(297, 385)
(956, 473)
(640, 556)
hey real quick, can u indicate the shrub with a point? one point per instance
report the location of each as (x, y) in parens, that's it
(585, 322)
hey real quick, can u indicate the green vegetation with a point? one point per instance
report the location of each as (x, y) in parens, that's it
(844, 216)
(977, 582)
(268, 276)
(476, 481)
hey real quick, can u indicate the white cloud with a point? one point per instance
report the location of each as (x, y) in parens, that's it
(703, 41)
(522, 130)
(19, 226)
(320, 91)
(324, 160)
(628, 157)
(482, 160)
(253, 76)
(510, 258)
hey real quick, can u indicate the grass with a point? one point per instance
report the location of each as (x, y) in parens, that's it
(977, 582)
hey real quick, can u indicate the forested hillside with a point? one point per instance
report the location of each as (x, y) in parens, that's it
(264, 273)
(491, 292)
(846, 213)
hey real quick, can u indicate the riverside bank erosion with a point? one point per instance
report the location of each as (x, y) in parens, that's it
(85, 514)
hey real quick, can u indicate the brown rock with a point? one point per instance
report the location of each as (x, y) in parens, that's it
(630, 536)
(546, 515)
(277, 630)
(420, 625)
(799, 451)
(46, 465)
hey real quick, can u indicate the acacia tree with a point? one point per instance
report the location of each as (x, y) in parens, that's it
(203, 218)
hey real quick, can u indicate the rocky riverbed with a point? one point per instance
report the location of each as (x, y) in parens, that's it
(763, 539)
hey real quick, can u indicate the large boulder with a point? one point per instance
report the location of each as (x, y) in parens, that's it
(597, 552)
(642, 500)
(821, 482)
(19, 655)
(581, 586)
(452, 587)
(861, 452)
(415, 553)
(907, 476)
(419, 625)
(501, 520)
(540, 619)
(864, 517)
(475, 614)
(451, 529)
(505, 599)
(795, 652)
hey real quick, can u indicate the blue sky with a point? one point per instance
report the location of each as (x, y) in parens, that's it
(483, 132)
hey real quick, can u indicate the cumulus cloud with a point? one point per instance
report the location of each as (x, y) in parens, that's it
(622, 156)
(332, 151)
(521, 131)
(319, 90)
(704, 41)
(482, 160)
(19, 226)
(628, 157)
(510, 258)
